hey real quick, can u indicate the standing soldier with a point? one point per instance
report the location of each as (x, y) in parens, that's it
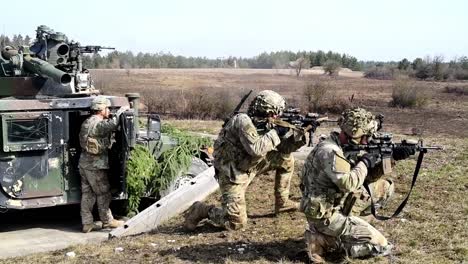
(249, 145)
(95, 141)
(333, 193)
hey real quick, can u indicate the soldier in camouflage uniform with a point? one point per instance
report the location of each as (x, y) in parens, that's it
(247, 146)
(333, 193)
(95, 141)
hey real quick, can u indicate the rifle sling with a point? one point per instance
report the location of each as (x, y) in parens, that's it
(402, 205)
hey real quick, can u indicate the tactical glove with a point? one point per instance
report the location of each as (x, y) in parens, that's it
(370, 159)
(281, 131)
(403, 152)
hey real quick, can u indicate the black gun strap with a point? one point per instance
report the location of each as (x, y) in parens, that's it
(402, 205)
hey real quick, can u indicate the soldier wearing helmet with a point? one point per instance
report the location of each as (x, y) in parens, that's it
(95, 136)
(333, 193)
(248, 146)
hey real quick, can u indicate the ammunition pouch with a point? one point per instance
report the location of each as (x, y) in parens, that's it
(316, 208)
(322, 205)
(93, 146)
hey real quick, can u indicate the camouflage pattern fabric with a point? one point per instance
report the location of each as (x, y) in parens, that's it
(328, 182)
(93, 169)
(95, 187)
(233, 213)
(283, 164)
(267, 102)
(382, 190)
(357, 122)
(241, 154)
(100, 129)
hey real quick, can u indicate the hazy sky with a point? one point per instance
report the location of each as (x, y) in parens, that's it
(366, 29)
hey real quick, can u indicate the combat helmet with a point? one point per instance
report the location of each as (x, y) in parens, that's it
(267, 102)
(100, 103)
(357, 122)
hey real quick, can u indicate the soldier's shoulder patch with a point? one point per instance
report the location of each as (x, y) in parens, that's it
(340, 163)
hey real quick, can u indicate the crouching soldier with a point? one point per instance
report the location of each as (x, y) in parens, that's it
(95, 136)
(334, 196)
(248, 146)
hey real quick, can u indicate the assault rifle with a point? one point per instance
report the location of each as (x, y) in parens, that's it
(308, 122)
(382, 143)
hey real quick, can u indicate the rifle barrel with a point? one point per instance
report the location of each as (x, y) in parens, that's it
(433, 147)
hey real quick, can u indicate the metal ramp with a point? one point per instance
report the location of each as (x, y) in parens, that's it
(169, 206)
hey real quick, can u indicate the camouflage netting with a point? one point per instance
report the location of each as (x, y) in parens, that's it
(147, 176)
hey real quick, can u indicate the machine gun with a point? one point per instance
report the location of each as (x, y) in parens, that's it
(308, 122)
(67, 56)
(93, 48)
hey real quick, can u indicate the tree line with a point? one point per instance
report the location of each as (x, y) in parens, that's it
(272, 60)
(429, 68)
(15, 41)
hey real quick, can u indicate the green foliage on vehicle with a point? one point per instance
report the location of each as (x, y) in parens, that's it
(141, 168)
(147, 176)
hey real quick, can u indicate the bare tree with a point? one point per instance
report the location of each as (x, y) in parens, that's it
(297, 65)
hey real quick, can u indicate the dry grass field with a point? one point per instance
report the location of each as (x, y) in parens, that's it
(444, 114)
(432, 229)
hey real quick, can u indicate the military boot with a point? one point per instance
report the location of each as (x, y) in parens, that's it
(285, 206)
(113, 224)
(197, 212)
(317, 245)
(91, 227)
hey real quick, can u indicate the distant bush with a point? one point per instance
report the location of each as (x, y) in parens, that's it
(332, 67)
(334, 105)
(407, 94)
(314, 94)
(321, 97)
(200, 103)
(459, 74)
(461, 90)
(209, 103)
(383, 73)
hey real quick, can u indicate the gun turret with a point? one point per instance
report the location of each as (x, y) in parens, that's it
(46, 70)
(51, 56)
(20, 63)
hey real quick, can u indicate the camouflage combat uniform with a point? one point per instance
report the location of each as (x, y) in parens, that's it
(328, 184)
(248, 145)
(93, 169)
(240, 154)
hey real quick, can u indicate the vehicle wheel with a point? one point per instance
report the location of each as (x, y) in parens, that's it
(197, 167)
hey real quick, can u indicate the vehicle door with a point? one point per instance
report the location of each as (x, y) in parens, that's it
(31, 158)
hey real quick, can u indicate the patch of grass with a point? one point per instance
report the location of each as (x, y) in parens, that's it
(202, 126)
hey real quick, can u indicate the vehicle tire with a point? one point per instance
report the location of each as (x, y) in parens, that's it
(197, 167)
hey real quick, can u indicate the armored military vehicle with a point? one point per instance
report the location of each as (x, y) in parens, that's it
(45, 95)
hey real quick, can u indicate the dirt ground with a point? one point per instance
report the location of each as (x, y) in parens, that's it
(432, 229)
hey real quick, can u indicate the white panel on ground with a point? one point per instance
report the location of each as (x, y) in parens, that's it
(171, 205)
